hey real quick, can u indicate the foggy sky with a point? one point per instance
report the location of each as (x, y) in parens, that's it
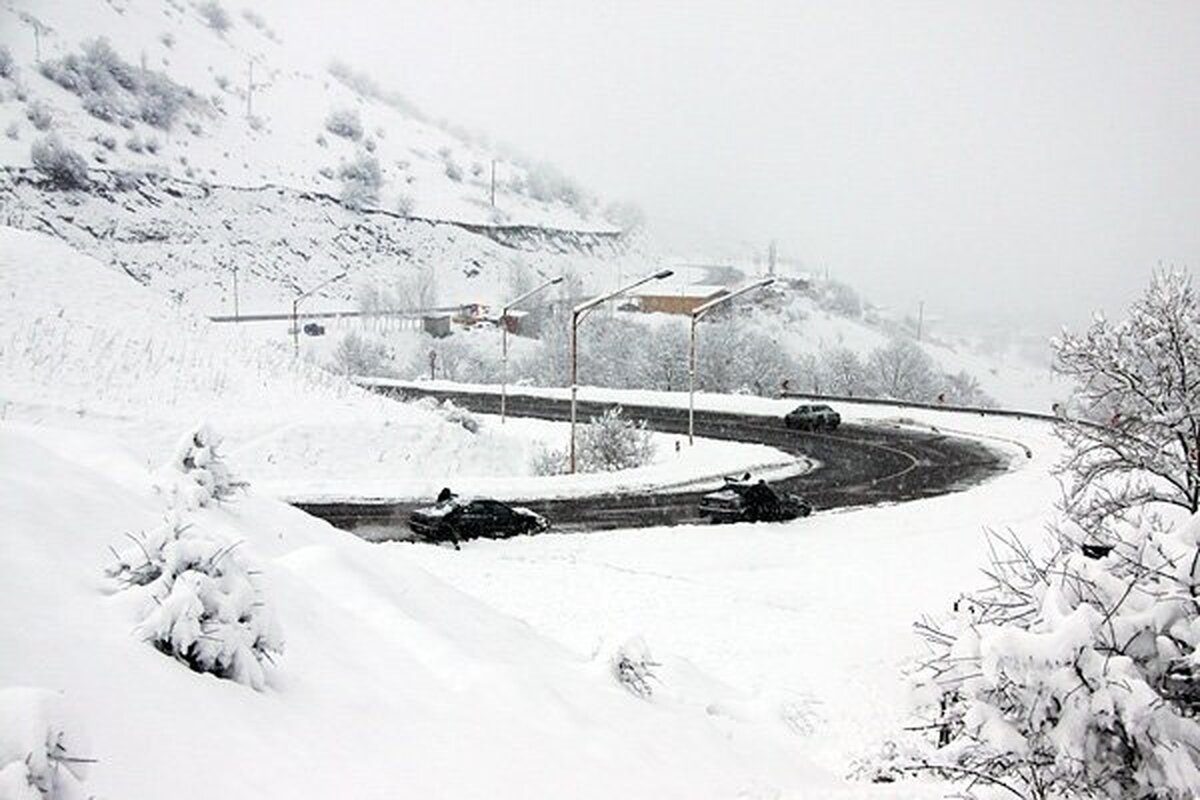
(1021, 160)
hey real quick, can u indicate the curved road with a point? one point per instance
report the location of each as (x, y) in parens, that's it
(860, 465)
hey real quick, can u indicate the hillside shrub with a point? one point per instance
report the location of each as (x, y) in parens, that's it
(115, 91)
(345, 123)
(40, 115)
(361, 181)
(65, 168)
(215, 15)
(7, 67)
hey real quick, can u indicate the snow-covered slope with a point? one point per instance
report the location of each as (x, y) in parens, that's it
(267, 123)
(390, 683)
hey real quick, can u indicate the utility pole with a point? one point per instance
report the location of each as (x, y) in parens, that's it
(236, 311)
(920, 318)
(771, 258)
(493, 183)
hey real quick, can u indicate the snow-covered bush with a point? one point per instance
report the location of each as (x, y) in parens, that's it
(361, 181)
(453, 171)
(65, 168)
(201, 604)
(633, 666)
(40, 115)
(114, 90)
(405, 205)
(612, 441)
(215, 15)
(360, 355)
(197, 475)
(7, 67)
(460, 416)
(1073, 674)
(13, 131)
(43, 755)
(606, 443)
(345, 123)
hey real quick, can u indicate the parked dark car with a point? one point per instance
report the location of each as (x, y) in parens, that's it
(314, 329)
(812, 418)
(453, 519)
(746, 500)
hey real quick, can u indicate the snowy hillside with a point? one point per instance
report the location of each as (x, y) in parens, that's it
(210, 92)
(389, 681)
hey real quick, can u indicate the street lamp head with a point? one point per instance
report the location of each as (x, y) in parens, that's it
(557, 280)
(663, 273)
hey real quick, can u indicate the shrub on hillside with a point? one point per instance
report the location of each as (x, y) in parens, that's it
(453, 171)
(345, 123)
(43, 755)
(115, 91)
(405, 205)
(215, 15)
(13, 131)
(361, 181)
(65, 168)
(39, 115)
(7, 67)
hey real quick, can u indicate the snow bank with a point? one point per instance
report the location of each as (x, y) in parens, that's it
(391, 681)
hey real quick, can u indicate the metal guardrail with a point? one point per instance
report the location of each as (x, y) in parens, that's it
(878, 401)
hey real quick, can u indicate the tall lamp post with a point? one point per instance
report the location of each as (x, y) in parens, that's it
(296, 310)
(697, 314)
(577, 314)
(504, 335)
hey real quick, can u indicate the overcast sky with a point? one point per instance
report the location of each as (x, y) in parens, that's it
(1032, 160)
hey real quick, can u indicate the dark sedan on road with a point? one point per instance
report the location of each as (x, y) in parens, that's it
(453, 519)
(746, 500)
(812, 418)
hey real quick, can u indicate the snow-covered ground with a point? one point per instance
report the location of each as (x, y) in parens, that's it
(277, 136)
(818, 611)
(779, 646)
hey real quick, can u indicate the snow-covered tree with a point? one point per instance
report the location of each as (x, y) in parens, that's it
(196, 474)
(840, 371)
(1071, 675)
(43, 755)
(201, 604)
(1137, 440)
(356, 354)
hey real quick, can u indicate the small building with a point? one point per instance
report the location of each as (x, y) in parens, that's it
(676, 298)
(436, 326)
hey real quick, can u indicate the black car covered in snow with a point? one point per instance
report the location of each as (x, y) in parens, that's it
(452, 519)
(812, 418)
(746, 500)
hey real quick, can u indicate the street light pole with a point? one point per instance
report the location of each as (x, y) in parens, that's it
(504, 337)
(577, 314)
(296, 310)
(697, 314)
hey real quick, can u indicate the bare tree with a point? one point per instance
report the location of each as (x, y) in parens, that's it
(902, 370)
(1137, 441)
(841, 371)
